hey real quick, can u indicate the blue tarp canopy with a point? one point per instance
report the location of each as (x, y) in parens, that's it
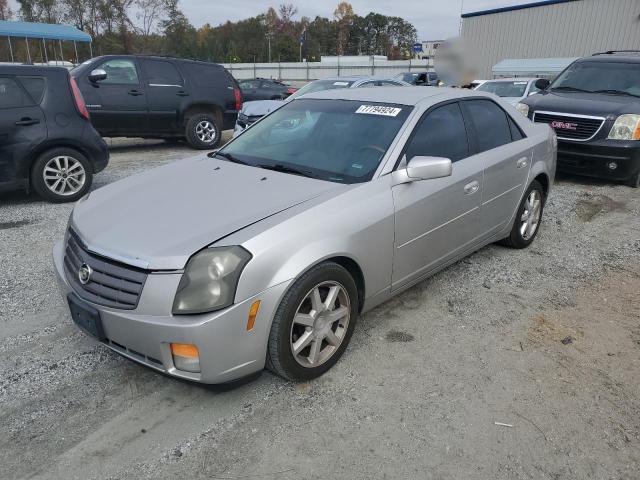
(48, 31)
(525, 67)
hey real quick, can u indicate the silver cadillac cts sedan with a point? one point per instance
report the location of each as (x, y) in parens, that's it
(265, 252)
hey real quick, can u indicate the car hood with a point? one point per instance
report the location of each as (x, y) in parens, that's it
(156, 220)
(260, 107)
(512, 100)
(597, 104)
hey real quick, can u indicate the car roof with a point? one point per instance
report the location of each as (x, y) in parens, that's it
(158, 57)
(400, 95)
(15, 69)
(511, 79)
(612, 57)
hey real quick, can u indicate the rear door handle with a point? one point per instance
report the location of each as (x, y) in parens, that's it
(523, 162)
(27, 121)
(471, 188)
(182, 94)
(135, 93)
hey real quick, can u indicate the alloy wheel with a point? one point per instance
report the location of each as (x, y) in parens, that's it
(206, 131)
(64, 175)
(530, 218)
(320, 324)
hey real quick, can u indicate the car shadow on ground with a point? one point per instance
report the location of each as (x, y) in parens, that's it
(562, 177)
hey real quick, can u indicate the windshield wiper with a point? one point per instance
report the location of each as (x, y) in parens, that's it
(278, 167)
(228, 157)
(616, 92)
(571, 89)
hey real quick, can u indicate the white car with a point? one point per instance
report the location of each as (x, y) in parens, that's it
(513, 90)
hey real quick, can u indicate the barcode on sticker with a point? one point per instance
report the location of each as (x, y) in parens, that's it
(379, 110)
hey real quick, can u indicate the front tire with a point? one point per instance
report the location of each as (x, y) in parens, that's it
(313, 324)
(528, 218)
(61, 175)
(203, 131)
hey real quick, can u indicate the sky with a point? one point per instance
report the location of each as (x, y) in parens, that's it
(434, 19)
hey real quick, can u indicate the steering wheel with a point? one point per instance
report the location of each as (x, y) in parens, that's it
(372, 147)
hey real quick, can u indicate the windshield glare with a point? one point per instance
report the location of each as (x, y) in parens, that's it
(504, 89)
(335, 140)
(320, 85)
(595, 76)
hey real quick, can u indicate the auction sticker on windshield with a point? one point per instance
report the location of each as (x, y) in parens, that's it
(379, 110)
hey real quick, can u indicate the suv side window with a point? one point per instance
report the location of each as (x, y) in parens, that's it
(35, 86)
(120, 71)
(11, 95)
(440, 133)
(161, 73)
(490, 124)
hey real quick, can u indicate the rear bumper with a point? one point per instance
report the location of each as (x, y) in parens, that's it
(229, 119)
(97, 149)
(227, 350)
(597, 159)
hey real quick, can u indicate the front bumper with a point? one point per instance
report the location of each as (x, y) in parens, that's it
(595, 158)
(227, 350)
(237, 130)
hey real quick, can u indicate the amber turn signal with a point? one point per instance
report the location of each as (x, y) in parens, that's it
(253, 312)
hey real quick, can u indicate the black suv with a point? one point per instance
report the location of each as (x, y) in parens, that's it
(46, 140)
(594, 108)
(159, 97)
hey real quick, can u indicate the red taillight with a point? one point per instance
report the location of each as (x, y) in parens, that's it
(238, 96)
(77, 97)
(291, 90)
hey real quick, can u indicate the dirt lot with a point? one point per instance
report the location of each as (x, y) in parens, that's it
(545, 340)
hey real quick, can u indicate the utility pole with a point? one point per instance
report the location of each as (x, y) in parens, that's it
(269, 43)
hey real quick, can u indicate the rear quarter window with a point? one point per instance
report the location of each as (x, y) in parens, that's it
(35, 87)
(206, 76)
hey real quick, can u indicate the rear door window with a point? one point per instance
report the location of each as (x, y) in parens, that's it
(489, 122)
(161, 73)
(440, 133)
(11, 94)
(35, 86)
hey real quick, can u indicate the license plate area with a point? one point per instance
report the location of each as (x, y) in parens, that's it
(86, 317)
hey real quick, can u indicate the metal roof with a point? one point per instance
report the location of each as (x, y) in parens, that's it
(514, 7)
(48, 31)
(531, 66)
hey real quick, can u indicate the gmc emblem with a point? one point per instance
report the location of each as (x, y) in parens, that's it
(564, 125)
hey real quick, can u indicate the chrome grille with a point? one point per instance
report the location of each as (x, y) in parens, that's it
(569, 126)
(112, 284)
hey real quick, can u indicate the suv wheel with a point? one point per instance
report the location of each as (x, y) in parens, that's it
(203, 131)
(314, 323)
(527, 222)
(61, 175)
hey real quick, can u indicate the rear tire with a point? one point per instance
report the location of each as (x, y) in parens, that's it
(203, 131)
(528, 218)
(324, 304)
(61, 175)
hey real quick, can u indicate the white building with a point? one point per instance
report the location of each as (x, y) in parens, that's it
(429, 48)
(552, 29)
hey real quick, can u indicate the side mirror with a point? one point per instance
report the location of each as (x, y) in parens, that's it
(542, 83)
(97, 75)
(426, 168)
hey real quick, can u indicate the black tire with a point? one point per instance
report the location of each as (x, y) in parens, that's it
(280, 358)
(195, 135)
(634, 182)
(516, 239)
(45, 190)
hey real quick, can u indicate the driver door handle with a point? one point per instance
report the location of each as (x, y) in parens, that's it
(135, 93)
(25, 122)
(182, 94)
(471, 188)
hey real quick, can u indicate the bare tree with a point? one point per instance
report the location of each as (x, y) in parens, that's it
(5, 11)
(344, 17)
(149, 14)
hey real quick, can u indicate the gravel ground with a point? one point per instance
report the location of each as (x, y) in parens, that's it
(544, 340)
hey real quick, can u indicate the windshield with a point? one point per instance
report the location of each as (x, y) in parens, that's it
(504, 89)
(610, 77)
(320, 85)
(335, 140)
(407, 77)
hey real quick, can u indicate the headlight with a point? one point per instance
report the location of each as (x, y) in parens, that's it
(210, 279)
(523, 108)
(626, 127)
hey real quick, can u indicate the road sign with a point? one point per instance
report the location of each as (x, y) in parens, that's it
(417, 47)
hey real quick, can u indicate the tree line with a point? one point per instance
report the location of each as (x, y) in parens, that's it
(160, 27)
